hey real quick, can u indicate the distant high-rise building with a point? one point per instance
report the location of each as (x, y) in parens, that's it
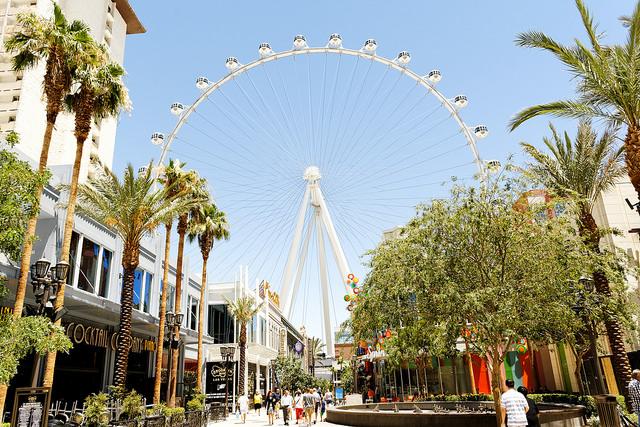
(22, 107)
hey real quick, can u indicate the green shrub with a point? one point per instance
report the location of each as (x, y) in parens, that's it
(176, 414)
(95, 410)
(196, 403)
(6, 424)
(572, 399)
(131, 406)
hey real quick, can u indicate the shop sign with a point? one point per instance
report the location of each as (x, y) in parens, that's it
(98, 337)
(30, 407)
(216, 380)
(375, 355)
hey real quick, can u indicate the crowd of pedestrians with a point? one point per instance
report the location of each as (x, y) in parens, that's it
(304, 406)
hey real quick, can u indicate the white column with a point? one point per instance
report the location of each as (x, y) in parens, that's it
(325, 291)
(296, 281)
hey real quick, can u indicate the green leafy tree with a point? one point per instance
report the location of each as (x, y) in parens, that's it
(243, 309)
(580, 170)
(133, 210)
(607, 77)
(482, 257)
(20, 336)
(207, 225)
(18, 202)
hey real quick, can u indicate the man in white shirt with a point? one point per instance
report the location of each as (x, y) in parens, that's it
(286, 403)
(243, 403)
(514, 406)
(316, 406)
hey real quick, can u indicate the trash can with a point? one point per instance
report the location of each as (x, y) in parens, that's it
(607, 408)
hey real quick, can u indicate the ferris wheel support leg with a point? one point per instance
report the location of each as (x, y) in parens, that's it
(336, 248)
(328, 333)
(285, 287)
(296, 280)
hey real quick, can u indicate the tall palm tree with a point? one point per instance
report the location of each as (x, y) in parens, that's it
(195, 188)
(100, 94)
(131, 209)
(608, 78)
(243, 309)
(582, 169)
(316, 352)
(173, 178)
(62, 46)
(207, 225)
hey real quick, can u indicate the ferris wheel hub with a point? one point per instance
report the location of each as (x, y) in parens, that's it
(312, 173)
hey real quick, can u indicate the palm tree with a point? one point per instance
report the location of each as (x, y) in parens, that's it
(316, 352)
(133, 210)
(173, 180)
(100, 94)
(194, 188)
(582, 169)
(608, 82)
(62, 46)
(243, 309)
(207, 225)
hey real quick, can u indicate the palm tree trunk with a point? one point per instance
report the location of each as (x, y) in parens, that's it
(66, 244)
(588, 229)
(129, 263)
(632, 156)
(205, 258)
(161, 315)
(182, 229)
(242, 373)
(31, 228)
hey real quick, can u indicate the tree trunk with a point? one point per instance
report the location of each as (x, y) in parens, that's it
(182, 229)
(588, 229)
(472, 378)
(31, 228)
(66, 245)
(496, 385)
(534, 371)
(205, 258)
(161, 314)
(3, 397)
(130, 260)
(241, 371)
(632, 156)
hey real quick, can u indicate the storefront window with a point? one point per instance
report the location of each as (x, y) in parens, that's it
(105, 272)
(137, 288)
(73, 255)
(220, 324)
(193, 313)
(263, 331)
(88, 265)
(171, 295)
(148, 281)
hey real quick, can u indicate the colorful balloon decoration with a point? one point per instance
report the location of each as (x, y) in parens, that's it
(352, 299)
(388, 334)
(347, 297)
(521, 349)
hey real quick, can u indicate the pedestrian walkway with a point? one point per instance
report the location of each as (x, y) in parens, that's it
(254, 420)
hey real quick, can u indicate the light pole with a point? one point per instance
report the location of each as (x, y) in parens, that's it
(46, 283)
(227, 354)
(587, 284)
(172, 323)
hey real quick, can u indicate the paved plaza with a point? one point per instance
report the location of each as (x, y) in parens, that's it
(254, 420)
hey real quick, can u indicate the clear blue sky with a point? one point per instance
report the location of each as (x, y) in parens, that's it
(471, 43)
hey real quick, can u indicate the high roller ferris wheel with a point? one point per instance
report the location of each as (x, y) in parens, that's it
(380, 137)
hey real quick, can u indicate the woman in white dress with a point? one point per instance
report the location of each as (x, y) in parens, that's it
(243, 404)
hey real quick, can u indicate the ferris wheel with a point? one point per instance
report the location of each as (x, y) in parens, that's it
(317, 149)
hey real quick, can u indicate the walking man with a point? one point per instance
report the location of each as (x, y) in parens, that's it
(286, 403)
(309, 403)
(634, 390)
(514, 405)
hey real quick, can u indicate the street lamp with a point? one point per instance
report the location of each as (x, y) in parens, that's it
(46, 284)
(227, 354)
(578, 309)
(172, 323)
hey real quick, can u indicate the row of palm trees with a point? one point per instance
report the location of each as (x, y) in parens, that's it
(81, 79)
(608, 89)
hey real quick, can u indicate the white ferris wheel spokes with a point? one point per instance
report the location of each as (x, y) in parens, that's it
(380, 137)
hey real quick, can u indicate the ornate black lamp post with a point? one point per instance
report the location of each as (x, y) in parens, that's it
(46, 283)
(172, 323)
(227, 354)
